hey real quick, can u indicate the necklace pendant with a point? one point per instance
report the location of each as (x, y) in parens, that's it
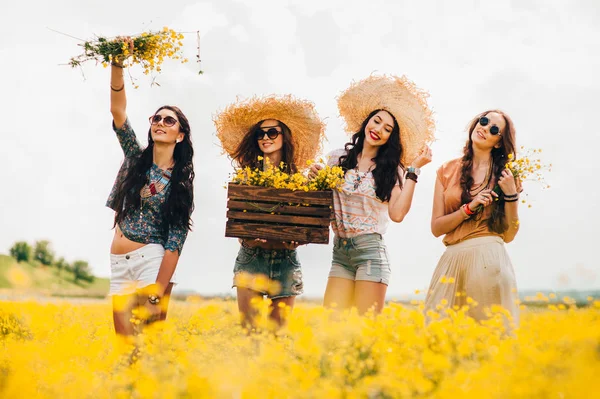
(152, 188)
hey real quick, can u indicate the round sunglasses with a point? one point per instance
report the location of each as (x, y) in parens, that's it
(168, 120)
(484, 121)
(271, 133)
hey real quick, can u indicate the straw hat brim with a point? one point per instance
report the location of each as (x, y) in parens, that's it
(400, 97)
(307, 129)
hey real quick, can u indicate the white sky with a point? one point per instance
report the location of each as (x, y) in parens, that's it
(535, 59)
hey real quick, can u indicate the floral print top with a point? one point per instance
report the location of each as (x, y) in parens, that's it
(144, 224)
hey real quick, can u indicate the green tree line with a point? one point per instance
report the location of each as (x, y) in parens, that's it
(42, 253)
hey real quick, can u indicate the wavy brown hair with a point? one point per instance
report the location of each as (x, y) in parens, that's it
(179, 205)
(497, 223)
(248, 151)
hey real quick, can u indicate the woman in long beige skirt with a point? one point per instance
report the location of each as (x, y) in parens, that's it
(476, 221)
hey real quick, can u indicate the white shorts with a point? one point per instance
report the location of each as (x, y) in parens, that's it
(136, 269)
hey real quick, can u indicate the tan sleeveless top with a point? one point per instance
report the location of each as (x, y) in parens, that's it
(449, 176)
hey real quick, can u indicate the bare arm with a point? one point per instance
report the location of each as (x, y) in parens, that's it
(118, 100)
(167, 268)
(510, 187)
(511, 210)
(440, 223)
(443, 224)
(401, 200)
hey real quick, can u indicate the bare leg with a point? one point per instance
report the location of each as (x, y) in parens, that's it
(278, 314)
(369, 294)
(247, 312)
(339, 292)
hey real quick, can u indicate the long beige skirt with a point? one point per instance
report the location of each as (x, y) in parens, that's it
(480, 269)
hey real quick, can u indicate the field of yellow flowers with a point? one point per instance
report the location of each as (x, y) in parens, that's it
(65, 349)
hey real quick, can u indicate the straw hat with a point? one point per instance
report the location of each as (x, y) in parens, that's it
(400, 97)
(307, 129)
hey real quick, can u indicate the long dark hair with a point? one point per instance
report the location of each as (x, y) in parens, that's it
(497, 222)
(387, 159)
(179, 205)
(248, 151)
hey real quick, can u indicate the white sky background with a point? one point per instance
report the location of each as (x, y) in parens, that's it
(535, 59)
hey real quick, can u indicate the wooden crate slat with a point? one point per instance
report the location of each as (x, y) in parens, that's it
(282, 219)
(245, 192)
(283, 209)
(278, 233)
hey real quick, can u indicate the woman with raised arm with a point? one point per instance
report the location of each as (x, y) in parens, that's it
(153, 199)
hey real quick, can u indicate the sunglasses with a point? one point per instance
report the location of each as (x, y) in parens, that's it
(484, 121)
(168, 120)
(271, 132)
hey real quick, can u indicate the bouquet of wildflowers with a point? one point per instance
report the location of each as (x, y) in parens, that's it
(148, 49)
(528, 167)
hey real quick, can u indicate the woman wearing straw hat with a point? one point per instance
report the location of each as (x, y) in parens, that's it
(475, 269)
(277, 129)
(391, 125)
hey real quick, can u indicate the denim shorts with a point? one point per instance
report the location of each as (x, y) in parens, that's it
(272, 272)
(136, 269)
(363, 258)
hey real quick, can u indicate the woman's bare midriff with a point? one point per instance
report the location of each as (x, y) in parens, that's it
(122, 245)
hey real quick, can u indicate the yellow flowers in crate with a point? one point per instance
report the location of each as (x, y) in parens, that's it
(327, 178)
(148, 49)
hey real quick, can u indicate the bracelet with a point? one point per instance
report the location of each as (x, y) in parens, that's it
(468, 210)
(511, 199)
(412, 176)
(119, 89)
(116, 65)
(467, 216)
(515, 195)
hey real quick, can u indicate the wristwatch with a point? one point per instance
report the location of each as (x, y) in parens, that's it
(153, 299)
(412, 169)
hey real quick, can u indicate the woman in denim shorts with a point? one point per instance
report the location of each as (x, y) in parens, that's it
(390, 124)
(153, 199)
(287, 132)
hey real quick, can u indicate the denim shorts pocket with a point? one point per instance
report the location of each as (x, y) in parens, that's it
(292, 257)
(245, 256)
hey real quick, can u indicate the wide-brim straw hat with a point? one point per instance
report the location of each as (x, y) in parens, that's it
(400, 97)
(307, 129)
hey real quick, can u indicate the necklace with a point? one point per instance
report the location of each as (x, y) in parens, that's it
(157, 185)
(484, 183)
(359, 179)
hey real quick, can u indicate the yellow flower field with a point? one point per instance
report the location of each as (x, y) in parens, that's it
(63, 349)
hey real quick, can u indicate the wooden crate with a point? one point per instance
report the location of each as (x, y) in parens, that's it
(278, 214)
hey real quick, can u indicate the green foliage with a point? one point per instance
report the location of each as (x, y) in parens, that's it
(21, 251)
(82, 271)
(43, 252)
(61, 264)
